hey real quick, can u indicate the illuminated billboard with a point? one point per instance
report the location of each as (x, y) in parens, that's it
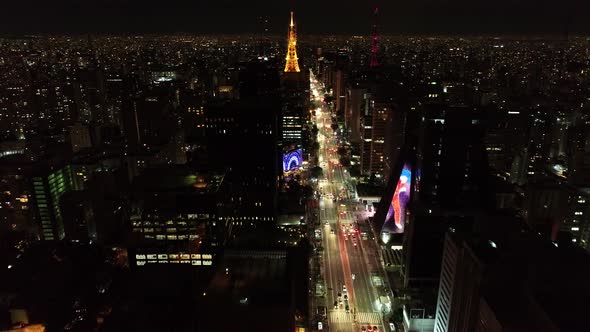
(396, 214)
(292, 160)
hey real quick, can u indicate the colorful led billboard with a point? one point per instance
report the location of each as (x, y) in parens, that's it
(396, 215)
(292, 160)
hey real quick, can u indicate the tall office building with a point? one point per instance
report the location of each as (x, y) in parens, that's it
(510, 281)
(49, 185)
(294, 100)
(373, 131)
(460, 278)
(438, 181)
(177, 217)
(339, 91)
(450, 183)
(147, 116)
(95, 211)
(505, 140)
(242, 136)
(326, 66)
(352, 110)
(451, 157)
(78, 216)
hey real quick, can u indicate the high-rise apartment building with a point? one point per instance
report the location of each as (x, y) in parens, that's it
(374, 120)
(355, 92)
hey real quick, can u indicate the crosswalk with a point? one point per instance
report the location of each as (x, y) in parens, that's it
(340, 316)
(369, 318)
(364, 318)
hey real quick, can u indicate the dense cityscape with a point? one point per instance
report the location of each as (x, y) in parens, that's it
(289, 182)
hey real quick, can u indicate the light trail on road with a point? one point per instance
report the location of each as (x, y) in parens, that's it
(341, 258)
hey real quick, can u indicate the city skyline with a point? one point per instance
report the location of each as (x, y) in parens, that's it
(459, 17)
(274, 181)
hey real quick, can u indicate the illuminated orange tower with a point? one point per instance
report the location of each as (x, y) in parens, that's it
(291, 64)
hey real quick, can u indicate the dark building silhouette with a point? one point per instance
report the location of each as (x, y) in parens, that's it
(294, 108)
(242, 137)
(451, 158)
(510, 282)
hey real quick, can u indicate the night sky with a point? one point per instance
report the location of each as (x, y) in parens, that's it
(314, 17)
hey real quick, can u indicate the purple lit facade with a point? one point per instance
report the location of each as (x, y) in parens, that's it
(292, 160)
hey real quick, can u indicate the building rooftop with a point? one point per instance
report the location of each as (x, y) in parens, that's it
(248, 284)
(178, 179)
(529, 278)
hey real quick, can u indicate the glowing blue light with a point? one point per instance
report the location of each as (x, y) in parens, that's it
(292, 160)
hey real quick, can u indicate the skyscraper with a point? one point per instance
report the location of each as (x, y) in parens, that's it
(49, 185)
(466, 279)
(373, 131)
(510, 281)
(451, 157)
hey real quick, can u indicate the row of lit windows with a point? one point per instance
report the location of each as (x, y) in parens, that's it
(191, 216)
(170, 237)
(199, 111)
(167, 230)
(219, 119)
(250, 219)
(160, 223)
(173, 256)
(192, 262)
